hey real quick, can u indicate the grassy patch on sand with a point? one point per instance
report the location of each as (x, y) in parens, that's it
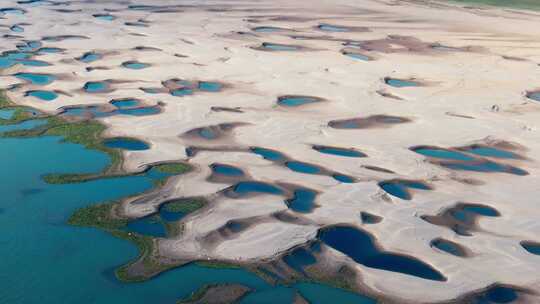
(519, 4)
(185, 205)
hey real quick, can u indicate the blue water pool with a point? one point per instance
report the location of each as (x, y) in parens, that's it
(303, 200)
(209, 86)
(226, 170)
(279, 47)
(400, 83)
(36, 78)
(360, 246)
(531, 247)
(96, 86)
(65, 264)
(135, 65)
(130, 144)
(106, 17)
(357, 56)
(339, 151)
(125, 103)
(257, 187)
(268, 154)
(302, 167)
(89, 57)
(441, 153)
(295, 101)
(42, 94)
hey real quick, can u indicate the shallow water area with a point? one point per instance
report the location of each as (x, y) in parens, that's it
(43, 95)
(226, 170)
(89, 57)
(302, 167)
(130, 144)
(208, 86)
(531, 247)
(279, 47)
(400, 83)
(135, 65)
(125, 103)
(357, 56)
(303, 201)
(96, 86)
(106, 17)
(249, 187)
(339, 151)
(295, 101)
(36, 78)
(332, 28)
(447, 246)
(360, 246)
(268, 154)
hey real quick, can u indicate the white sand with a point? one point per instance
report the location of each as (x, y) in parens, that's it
(465, 83)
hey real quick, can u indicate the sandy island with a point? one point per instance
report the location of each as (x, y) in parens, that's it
(471, 71)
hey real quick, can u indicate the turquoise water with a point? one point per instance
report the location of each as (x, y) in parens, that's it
(443, 153)
(226, 170)
(10, 58)
(36, 78)
(126, 144)
(268, 154)
(125, 103)
(33, 62)
(490, 152)
(357, 56)
(399, 188)
(257, 187)
(6, 114)
(302, 167)
(295, 101)
(105, 17)
(400, 83)
(29, 124)
(95, 86)
(43, 95)
(267, 29)
(17, 28)
(182, 92)
(279, 47)
(207, 133)
(46, 261)
(134, 65)
(209, 86)
(50, 50)
(485, 166)
(332, 28)
(29, 46)
(339, 151)
(89, 57)
(12, 10)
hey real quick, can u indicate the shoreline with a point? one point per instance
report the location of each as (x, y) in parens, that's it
(429, 82)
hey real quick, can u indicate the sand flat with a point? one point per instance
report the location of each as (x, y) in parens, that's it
(473, 68)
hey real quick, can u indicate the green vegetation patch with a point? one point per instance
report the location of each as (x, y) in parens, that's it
(185, 205)
(519, 4)
(172, 168)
